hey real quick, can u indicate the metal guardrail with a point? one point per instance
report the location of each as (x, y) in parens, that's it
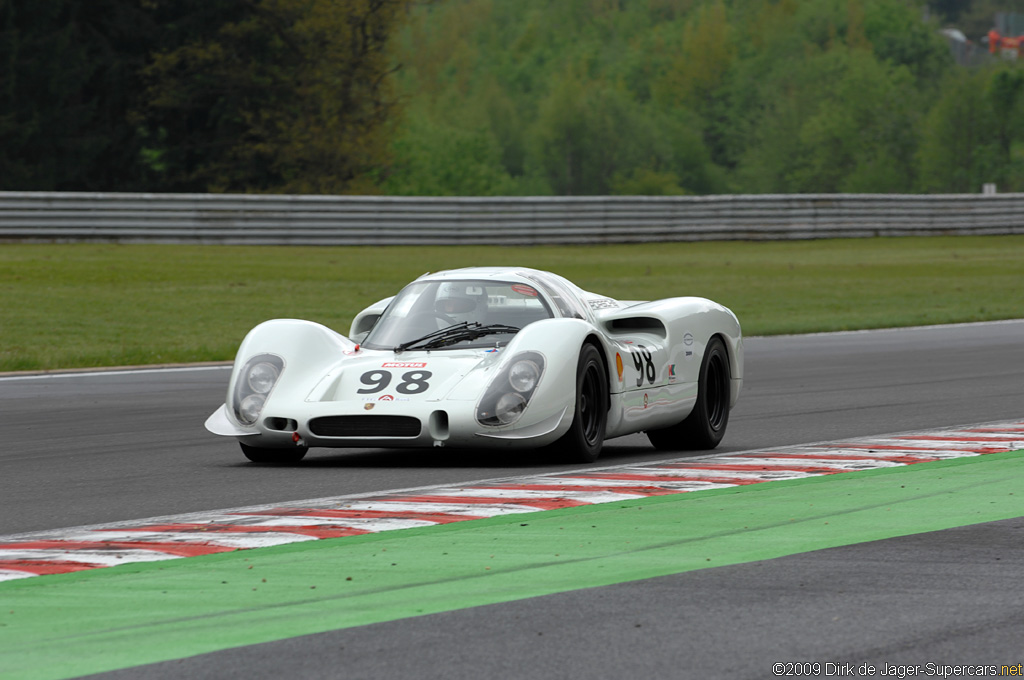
(372, 220)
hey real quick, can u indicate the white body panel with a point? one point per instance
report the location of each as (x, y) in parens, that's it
(652, 352)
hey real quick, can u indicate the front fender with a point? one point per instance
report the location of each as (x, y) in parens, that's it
(553, 404)
(560, 336)
(307, 348)
(559, 340)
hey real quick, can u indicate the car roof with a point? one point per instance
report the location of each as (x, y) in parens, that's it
(598, 304)
(511, 274)
(497, 273)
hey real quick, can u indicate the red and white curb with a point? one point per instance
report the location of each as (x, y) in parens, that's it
(166, 538)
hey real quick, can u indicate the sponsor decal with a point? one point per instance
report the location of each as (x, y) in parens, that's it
(689, 355)
(688, 339)
(671, 373)
(387, 397)
(523, 289)
(368, 407)
(604, 303)
(404, 364)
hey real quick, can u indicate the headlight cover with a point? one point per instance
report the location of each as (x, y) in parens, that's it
(509, 393)
(253, 386)
(523, 375)
(262, 376)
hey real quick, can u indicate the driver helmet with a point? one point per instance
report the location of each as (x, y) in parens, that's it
(454, 301)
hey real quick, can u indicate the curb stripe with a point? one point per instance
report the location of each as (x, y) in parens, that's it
(961, 439)
(100, 544)
(303, 530)
(948, 451)
(626, 492)
(533, 504)
(84, 548)
(828, 456)
(104, 557)
(460, 510)
(26, 568)
(517, 493)
(710, 478)
(325, 515)
(214, 541)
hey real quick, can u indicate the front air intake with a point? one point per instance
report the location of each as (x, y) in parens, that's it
(366, 426)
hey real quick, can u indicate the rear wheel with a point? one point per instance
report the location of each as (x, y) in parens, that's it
(705, 426)
(274, 456)
(583, 442)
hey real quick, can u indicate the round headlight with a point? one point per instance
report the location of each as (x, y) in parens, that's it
(509, 407)
(523, 375)
(250, 408)
(262, 377)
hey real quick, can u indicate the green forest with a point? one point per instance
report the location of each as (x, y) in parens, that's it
(505, 97)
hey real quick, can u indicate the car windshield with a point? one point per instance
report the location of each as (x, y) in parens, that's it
(425, 307)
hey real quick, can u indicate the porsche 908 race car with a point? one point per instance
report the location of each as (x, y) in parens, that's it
(488, 357)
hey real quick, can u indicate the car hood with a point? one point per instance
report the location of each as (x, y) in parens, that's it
(371, 375)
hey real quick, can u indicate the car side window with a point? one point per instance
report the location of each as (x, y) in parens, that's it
(568, 305)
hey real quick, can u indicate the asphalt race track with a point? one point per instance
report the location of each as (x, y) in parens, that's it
(96, 448)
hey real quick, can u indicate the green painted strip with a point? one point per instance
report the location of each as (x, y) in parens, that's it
(73, 624)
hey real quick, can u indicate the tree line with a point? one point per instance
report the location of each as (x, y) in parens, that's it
(502, 97)
(196, 95)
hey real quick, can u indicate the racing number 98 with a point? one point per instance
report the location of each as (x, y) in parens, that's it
(644, 364)
(413, 382)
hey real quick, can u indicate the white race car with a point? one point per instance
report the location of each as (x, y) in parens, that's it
(488, 357)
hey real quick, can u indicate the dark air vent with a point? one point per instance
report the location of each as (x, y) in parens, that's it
(365, 426)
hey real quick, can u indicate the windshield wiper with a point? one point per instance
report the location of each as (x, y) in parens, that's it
(457, 333)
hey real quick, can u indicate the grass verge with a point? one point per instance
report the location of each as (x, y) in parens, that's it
(87, 305)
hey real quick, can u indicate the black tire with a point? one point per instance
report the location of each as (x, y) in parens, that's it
(583, 442)
(287, 456)
(705, 426)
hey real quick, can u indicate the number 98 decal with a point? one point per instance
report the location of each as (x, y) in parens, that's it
(644, 364)
(412, 382)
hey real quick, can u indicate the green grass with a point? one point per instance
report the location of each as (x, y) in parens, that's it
(85, 305)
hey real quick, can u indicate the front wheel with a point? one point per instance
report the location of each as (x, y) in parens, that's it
(583, 442)
(705, 426)
(274, 456)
